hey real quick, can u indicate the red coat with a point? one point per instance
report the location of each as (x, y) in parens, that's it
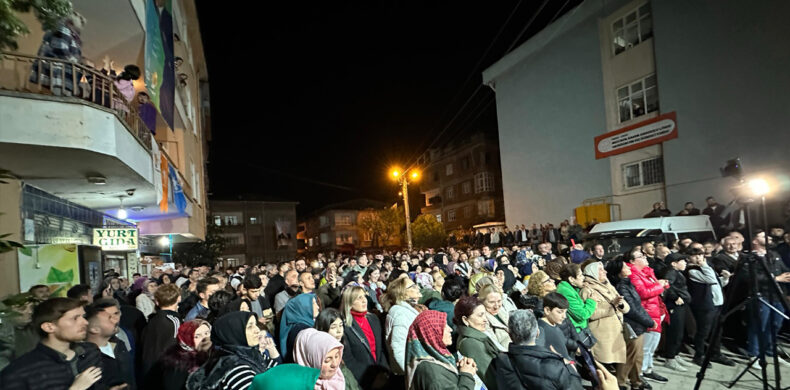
(649, 291)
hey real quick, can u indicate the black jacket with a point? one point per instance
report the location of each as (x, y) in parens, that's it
(158, 335)
(357, 355)
(534, 367)
(701, 294)
(678, 288)
(118, 370)
(775, 265)
(723, 261)
(276, 284)
(637, 317)
(45, 368)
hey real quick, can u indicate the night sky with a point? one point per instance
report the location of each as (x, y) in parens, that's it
(313, 103)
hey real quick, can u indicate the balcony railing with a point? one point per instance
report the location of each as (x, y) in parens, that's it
(52, 76)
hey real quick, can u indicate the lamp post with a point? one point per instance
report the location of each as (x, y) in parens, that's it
(403, 179)
(760, 188)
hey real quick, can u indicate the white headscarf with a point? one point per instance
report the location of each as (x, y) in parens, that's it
(592, 270)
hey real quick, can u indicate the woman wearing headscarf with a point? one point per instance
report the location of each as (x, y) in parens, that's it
(319, 350)
(429, 364)
(235, 359)
(606, 322)
(330, 321)
(145, 301)
(170, 372)
(299, 314)
(287, 376)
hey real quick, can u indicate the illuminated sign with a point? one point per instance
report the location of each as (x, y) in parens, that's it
(123, 239)
(650, 132)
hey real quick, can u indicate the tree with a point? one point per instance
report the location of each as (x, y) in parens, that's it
(383, 225)
(427, 232)
(48, 12)
(201, 253)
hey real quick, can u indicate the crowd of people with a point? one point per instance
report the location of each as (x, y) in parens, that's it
(488, 318)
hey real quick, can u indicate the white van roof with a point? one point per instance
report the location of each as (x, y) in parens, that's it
(693, 223)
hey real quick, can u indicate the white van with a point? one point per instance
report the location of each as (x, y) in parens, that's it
(620, 236)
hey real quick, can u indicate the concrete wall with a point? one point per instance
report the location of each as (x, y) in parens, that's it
(549, 107)
(723, 66)
(10, 222)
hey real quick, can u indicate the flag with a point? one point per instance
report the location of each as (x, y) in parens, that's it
(163, 168)
(178, 191)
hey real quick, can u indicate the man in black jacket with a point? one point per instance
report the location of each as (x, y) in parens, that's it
(103, 317)
(60, 360)
(162, 329)
(277, 282)
(676, 298)
(527, 365)
(728, 258)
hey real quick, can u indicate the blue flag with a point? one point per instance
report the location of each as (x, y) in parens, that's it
(178, 192)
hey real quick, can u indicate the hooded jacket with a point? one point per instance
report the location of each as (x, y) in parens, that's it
(649, 291)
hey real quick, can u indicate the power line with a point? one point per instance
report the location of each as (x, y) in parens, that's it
(524, 30)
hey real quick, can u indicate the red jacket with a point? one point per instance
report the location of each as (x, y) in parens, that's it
(649, 291)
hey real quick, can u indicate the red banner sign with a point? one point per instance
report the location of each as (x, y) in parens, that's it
(650, 132)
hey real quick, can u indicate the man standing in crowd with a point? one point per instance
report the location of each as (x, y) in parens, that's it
(103, 317)
(61, 360)
(715, 211)
(81, 292)
(688, 209)
(598, 252)
(162, 328)
(291, 290)
(277, 282)
(728, 258)
(253, 286)
(205, 289)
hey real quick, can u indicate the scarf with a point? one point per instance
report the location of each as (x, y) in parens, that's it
(310, 350)
(229, 335)
(299, 310)
(424, 344)
(362, 320)
(186, 334)
(510, 280)
(592, 269)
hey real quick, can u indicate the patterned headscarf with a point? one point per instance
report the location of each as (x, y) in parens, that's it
(424, 343)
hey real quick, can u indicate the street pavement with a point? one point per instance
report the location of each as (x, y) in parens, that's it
(717, 377)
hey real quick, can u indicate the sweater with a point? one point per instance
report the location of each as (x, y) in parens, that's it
(362, 320)
(45, 368)
(160, 333)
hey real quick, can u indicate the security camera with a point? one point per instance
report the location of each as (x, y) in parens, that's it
(130, 191)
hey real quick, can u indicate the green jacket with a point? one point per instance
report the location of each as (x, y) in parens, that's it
(476, 345)
(351, 382)
(431, 376)
(579, 311)
(428, 293)
(286, 376)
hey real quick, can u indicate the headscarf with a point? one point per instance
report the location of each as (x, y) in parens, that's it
(424, 343)
(299, 310)
(526, 268)
(186, 333)
(592, 269)
(229, 335)
(311, 349)
(139, 284)
(510, 279)
(287, 376)
(424, 279)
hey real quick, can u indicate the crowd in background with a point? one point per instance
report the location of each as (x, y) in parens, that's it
(494, 317)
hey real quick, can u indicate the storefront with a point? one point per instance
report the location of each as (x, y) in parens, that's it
(119, 249)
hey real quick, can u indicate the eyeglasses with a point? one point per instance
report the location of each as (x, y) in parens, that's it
(414, 286)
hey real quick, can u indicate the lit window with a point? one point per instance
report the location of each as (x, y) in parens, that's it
(342, 220)
(254, 220)
(643, 173)
(637, 98)
(485, 208)
(450, 192)
(218, 220)
(632, 29)
(449, 169)
(450, 215)
(439, 217)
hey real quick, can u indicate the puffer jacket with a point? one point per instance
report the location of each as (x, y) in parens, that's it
(650, 291)
(637, 317)
(579, 310)
(534, 367)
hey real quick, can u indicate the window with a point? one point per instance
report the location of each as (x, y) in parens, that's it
(342, 220)
(485, 208)
(324, 238)
(643, 173)
(450, 192)
(323, 221)
(367, 236)
(466, 187)
(218, 220)
(450, 215)
(637, 98)
(439, 217)
(344, 238)
(231, 220)
(632, 29)
(484, 182)
(254, 221)
(465, 163)
(449, 169)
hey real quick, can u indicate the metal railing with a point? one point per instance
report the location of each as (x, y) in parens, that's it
(56, 77)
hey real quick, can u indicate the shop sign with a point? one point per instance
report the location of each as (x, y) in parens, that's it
(116, 239)
(650, 132)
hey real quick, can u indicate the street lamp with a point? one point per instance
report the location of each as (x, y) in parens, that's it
(404, 178)
(759, 187)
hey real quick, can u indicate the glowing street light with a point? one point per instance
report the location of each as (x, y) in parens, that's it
(759, 187)
(164, 241)
(401, 177)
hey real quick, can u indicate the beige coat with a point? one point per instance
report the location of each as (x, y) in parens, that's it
(499, 328)
(606, 321)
